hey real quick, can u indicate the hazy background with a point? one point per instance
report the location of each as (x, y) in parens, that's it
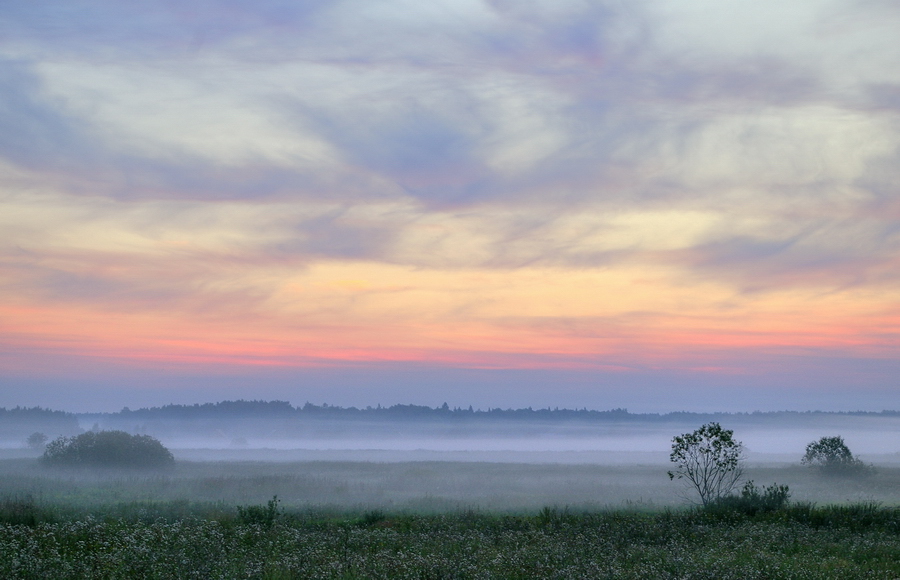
(429, 459)
(279, 431)
(646, 204)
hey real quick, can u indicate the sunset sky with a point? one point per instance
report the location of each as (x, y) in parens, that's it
(657, 205)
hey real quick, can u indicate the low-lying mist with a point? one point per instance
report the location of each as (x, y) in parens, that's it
(421, 486)
(618, 442)
(619, 438)
(425, 459)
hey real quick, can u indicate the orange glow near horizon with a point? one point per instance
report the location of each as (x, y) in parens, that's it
(336, 313)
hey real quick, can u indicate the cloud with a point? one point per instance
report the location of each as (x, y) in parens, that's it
(460, 105)
(32, 131)
(99, 29)
(403, 180)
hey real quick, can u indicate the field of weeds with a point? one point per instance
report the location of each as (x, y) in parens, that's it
(264, 541)
(434, 520)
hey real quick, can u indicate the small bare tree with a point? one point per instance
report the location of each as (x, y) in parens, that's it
(709, 459)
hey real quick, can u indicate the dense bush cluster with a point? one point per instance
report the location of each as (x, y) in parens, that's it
(832, 456)
(260, 515)
(753, 499)
(108, 449)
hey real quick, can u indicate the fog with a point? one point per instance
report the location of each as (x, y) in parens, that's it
(567, 446)
(766, 437)
(276, 431)
(439, 459)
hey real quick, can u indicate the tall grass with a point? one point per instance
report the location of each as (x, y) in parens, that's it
(807, 542)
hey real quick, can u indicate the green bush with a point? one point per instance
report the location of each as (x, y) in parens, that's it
(832, 457)
(108, 449)
(262, 515)
(753, 499)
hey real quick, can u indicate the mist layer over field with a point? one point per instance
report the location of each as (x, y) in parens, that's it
(766, 438)
(278, 431)
(429, 486)
(419, 458)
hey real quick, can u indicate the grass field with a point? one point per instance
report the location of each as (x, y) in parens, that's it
(434, 520)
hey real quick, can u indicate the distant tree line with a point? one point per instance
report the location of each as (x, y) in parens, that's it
(284, 419)
(18, 422)
(65, 423)
(283, 409)
(259, 408)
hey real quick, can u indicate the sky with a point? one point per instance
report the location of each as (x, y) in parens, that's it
(655, 205)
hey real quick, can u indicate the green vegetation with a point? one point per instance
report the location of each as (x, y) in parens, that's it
(752, 500)
(832, 457)
(800, 541)
(107, 449)
(261, 515)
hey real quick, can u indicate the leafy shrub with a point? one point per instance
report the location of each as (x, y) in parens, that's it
(108, 449)
(832, 456)
(262, 515)
(753, 499)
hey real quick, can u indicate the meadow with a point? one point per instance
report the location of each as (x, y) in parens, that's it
(434, 519)
(849, 542)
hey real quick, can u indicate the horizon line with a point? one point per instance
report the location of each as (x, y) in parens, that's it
(311, 407)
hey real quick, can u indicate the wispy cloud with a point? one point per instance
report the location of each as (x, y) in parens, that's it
(425, 181)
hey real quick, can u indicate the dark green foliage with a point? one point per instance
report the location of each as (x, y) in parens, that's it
(710, 459)
(552, 516)
(753, 500)
(372, 517)
(21, 510)
(108, 449)
(832, 456)
(857, 517)
(784, 544)
(262, 515)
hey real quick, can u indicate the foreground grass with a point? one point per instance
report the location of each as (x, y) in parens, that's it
(160, 541)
